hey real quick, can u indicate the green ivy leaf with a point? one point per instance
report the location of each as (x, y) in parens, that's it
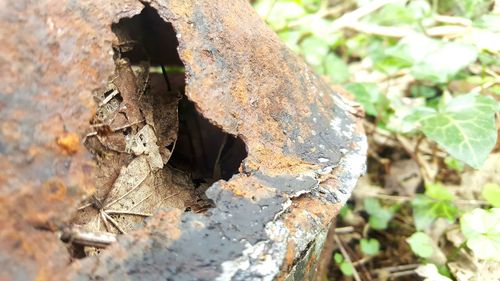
(279, 13)
(394, 14)
(370, 246)
(346, 269)
(379, 216)
(291, 39)
(436, 203)
(482, 230)
(421, 244)
(338, 258)
(438, 192)
(429, 59)
(454, 164)
(491, 192)
(369, 95)
(465, 128)
(314, 50)
(441, 64)
(336, 68)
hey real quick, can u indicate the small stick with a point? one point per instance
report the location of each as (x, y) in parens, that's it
(87, 238)
(105, 221)
(346, 257)
(344, 230)
(216, 172)
(114, 223)
(165, 76)
(84, 206)
(402, 273)
(397, 268)
(114, 129)
(109, 97)
(113, 212)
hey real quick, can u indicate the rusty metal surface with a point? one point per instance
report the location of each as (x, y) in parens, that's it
(306, 147)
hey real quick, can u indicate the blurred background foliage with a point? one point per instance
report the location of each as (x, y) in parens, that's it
(427, 73)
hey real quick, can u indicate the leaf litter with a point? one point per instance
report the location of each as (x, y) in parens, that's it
(134, 134)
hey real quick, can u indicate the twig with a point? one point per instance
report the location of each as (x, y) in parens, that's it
(322, 14)
(95, 239)
(424, 168)
(344, 230)
(352, 17)
(346, 257)
(362, 261)
(105, 221)
(402, 273)
(84, 206)
(386, 31)
(453, 20)
(109, 97)
(113, 222)
(408, 198)
(397, 268)
(113, 129)
(114, 212)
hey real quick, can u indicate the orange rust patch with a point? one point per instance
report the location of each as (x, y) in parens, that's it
(69, 142)
(249, 188)
(289, 259)
(54, 190)
(278, 164)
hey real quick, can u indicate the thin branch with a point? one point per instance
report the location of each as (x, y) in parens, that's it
(397, 268)
(114, 212)
(344, 230)
(104, 221)
(346, 257)
(114, 223)
(87, 238)
(109, 97)
(424, 168)
(352, 17)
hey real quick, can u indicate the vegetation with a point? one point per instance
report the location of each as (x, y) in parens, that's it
(428, 76)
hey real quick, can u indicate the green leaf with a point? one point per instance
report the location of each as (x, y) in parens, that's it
(346, 269)
(423, 91)
(314, 50)
(379, 216)
(430, 273)
(438, 192)
(443, 63)
(427, 209)
(291, 39)
(279, 13)
(454, 164)
(482, 230)
(338, 258)
(465, 128)
(430, 59)
(491, 192)
(370, 246)
(393, 15)
(489, 21)
(421, 244)
(369, 95)
(344, 211)
(336, 68)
